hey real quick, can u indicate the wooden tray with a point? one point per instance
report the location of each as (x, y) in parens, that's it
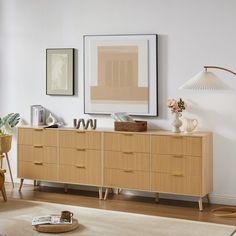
(137, 126)
(57, 228)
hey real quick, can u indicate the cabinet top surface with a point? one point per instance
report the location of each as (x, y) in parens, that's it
(110, 130)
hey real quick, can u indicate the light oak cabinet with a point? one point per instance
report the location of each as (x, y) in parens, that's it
(182, 165)
(37, 154)
(80, 157)
(158, 161)
(66, 156)
(127, 160)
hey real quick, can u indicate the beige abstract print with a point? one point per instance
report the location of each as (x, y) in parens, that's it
(118, 75)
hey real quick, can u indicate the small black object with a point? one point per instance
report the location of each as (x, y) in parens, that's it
(52, 126)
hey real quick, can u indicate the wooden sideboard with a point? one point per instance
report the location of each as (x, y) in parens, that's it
(153, 161)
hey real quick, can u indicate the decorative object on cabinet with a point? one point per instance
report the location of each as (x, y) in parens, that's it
(60, 71)
(156, 161)
(190, 125)
(206, 80)
(51, 120)
(37, 115)
(176, 107)
(120, 72)
(136, 126)
(85, 125)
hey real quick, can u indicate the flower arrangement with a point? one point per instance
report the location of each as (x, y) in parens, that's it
(176, 106)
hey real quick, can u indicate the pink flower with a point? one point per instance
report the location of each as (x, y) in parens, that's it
(176, 106)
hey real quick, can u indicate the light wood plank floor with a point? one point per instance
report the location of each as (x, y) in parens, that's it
(121, 202)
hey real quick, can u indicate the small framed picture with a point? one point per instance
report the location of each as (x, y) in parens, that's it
(60, 71)
(120, 74)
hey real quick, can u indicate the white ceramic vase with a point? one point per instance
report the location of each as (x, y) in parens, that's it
(177, 123)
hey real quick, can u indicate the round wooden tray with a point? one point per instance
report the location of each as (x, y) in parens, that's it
(57, 228)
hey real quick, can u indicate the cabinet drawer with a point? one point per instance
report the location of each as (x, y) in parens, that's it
(37, 170)
(37, 153)
(80, 157)
(176, 145)
(127, 160)
(80, 174)
(175, 183)
(37, 136)
(176, 164)
(139, 180)
(127, 142)
(80, 139)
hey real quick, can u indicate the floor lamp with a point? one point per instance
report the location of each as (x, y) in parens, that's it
(206, 80)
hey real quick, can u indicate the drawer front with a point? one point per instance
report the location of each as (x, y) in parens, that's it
(25, 136)
(127, 161)
(82, 158)
(67, 138)
(192, 146)
(176, 145)
(37, 153)
(139, 180)
(167, 144)
(176, 184)
(176, 164)
(50, 137)
(80, 175)
(37, 136)
(127, 142)
(80, 139)
(89, 140)
(50, 155)
(37, 170)
(25, 153)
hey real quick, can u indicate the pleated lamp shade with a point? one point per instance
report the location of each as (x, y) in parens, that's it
(205, 80)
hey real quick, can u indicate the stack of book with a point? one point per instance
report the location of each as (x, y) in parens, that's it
(50, 219)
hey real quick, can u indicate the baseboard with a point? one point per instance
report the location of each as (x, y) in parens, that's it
(223, 199)
(214, 197)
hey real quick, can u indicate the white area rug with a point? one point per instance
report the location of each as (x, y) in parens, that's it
(16, 216)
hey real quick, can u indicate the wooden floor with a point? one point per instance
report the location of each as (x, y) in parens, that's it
(121, 202)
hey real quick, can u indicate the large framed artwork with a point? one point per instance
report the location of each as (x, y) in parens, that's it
(120, 74)
(60, 71)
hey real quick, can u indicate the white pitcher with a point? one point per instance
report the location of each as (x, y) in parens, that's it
(190, 124)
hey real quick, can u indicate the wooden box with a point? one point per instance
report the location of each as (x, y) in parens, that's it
(137, 126)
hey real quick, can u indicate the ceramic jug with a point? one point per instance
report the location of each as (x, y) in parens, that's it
(190, 124)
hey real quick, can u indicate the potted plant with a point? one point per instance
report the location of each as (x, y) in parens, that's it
(6, 129)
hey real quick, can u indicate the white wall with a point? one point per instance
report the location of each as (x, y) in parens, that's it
(192, 34)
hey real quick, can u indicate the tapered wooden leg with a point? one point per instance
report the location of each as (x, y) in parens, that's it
(106, 193)
(157, 198)
(100, 193)
(208, 199)
(66, 188)
(21, 184)
(35, 183)
(9, 167)
(200, 204)
(3, 190)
